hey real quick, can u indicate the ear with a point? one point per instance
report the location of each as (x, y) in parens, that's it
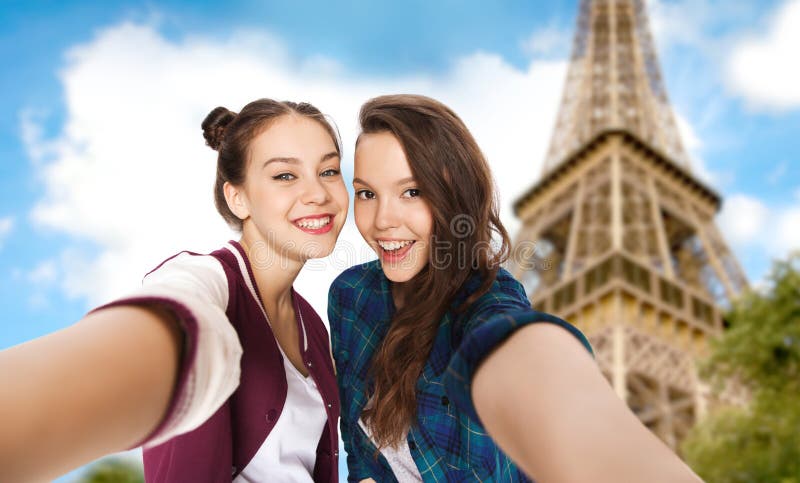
(237, 200)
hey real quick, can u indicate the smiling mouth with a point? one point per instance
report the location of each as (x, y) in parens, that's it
(394, 250)
(391, 246)
(316, 225)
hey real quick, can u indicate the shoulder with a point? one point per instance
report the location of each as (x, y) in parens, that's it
(351, 285)
(354, 297)
(186, 263)
(203, 275)
(505, 285)
(365, 275)
(505, 292)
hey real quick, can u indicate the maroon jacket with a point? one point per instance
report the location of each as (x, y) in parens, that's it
(221, 448)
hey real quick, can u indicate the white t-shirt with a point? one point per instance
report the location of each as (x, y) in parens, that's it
(289, 453)
(399, 458)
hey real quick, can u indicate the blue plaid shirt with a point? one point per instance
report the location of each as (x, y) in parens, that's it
(448, 443)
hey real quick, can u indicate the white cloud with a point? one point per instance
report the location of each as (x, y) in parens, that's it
(748, 222)
(743, 218)
(763, 69)
(38, 300)
(551, 41)
(705, 26)
(31, 131)
(694, 146)
(6, 225)
(788, 235)
(44, 273)
(129, 173)
(42, 279)
(777, 173)
(671, 25)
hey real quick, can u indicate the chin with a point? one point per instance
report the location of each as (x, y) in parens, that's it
(317, 252)
(399, 275)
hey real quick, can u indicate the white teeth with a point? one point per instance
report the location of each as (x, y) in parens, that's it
(314, 223)
(393, 245)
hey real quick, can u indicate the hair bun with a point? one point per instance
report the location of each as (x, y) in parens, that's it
(214, 126)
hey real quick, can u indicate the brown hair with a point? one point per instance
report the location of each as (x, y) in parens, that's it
(455, 181)
(230, 134)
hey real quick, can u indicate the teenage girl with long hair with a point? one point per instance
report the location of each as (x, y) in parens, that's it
(445, 371)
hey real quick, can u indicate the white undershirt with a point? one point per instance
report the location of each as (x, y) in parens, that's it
(290, 451)
(399, 458)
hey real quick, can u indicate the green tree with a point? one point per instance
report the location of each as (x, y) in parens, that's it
(113, 470)
(761, 351)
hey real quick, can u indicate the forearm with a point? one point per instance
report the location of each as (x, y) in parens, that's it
(96, 387)
(545, 403)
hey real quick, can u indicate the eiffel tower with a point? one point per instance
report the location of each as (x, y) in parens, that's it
(618, 235)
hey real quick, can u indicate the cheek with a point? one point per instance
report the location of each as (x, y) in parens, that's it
(422, 222)
(338, 188)
(363, 216)
(338, 192)
(277, 201)
(264, 194)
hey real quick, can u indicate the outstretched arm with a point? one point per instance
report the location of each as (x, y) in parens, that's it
(99, 386)
(544, 401)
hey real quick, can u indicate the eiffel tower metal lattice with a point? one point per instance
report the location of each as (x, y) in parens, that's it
(618, 236)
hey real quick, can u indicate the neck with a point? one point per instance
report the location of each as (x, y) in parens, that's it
(274, 273)
(398, 294)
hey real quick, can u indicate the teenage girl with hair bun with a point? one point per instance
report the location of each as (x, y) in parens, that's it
(216, 366)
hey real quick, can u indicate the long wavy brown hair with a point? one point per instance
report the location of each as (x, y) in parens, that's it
(455, 181)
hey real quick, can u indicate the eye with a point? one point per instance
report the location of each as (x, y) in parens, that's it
(365, 195)
(284, 177)
(329, 172)
(411, 193)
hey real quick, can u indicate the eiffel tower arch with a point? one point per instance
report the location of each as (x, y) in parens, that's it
(618, 235)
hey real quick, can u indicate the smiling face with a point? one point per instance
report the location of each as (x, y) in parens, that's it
(293, 202)
(390, 212)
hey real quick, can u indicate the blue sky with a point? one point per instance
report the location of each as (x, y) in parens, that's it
(103, 171)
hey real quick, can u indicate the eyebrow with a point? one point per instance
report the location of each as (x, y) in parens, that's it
(401, 182)
(292, 160)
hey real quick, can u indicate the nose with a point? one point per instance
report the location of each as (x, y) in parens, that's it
(387, 215)
(315, 192)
